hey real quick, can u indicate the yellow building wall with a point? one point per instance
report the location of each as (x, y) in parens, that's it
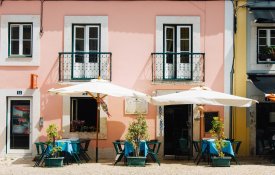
(240, 131)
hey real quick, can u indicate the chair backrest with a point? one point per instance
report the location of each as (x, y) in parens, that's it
(196, 144)
(40, 147)
(87, 143)
(75, 145)
(237, 146)
(153, 146)
(118, 147)
(183, 143)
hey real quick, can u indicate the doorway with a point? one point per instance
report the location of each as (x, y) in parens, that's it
(265, 127)
(19, 120)
(177, 124)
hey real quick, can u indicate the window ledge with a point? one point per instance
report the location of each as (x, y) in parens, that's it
(20, 56)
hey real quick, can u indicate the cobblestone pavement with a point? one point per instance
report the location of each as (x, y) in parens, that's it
(249, 166)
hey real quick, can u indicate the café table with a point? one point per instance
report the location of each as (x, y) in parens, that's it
(209, 148)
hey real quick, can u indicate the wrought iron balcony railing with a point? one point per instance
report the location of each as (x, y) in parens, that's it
(178, 67)
(81, 66)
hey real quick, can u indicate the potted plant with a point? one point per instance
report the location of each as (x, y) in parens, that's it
(267, 53)
(53, 160)
(217, 131)
(137, 131)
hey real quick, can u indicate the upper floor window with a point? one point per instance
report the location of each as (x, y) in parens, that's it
(20, 40)
(266, 45)
(177, 49)
(86, 38)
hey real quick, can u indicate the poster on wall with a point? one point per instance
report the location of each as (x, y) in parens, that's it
(20, 119)
(135, 106)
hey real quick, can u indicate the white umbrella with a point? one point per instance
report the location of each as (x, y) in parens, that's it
(99, 89)
(202, 96)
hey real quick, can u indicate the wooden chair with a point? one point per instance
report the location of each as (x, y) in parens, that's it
(196, 145)
(119, 151)
(236, 145)
(153, 150)
(84, 145)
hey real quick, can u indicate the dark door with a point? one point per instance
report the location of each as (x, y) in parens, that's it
(265, 127)
(177, 124)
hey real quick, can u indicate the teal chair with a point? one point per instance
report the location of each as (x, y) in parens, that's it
(236, 145)
(76, 151)
(184, 148)
(40, 148)
(119, 151)
(153, 150)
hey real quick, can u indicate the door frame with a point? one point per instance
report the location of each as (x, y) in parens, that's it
(9, 99)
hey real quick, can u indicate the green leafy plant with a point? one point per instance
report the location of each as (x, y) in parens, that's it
(267, 51)
(217, 131)
(137, 131)
(52, 134)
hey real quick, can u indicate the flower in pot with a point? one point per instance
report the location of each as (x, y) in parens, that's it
(217, 131)
(267, 53)
(137, 131)
(53, 159)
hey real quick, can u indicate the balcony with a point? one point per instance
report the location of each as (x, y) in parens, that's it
(178, 67)
(84, 66)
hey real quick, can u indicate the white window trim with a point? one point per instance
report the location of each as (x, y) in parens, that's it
(70, 20)
(20, 39)
(34, 60)
(252, 65)
(194, 20)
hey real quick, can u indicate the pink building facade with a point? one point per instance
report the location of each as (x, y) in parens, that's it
(156, 47)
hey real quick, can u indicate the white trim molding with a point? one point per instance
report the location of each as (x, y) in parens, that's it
(34, 96)
(34, 60)
(68, 27)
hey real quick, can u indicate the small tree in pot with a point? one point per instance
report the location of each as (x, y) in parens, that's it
(54, 159)
(137, 131)
(217, 131)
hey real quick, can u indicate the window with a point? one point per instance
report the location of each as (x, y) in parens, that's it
(86, 39)
(177, 40)
(266, 44)
(83, 114)
(208, 118)
(177, 48)
(20, 40)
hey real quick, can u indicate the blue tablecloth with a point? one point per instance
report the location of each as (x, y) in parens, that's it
(212, 147)
(66, 145)
(128, 148)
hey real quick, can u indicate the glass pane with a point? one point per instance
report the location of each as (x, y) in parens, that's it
(79, 45)
(93, 32)
(184, 45)
(14, 47)
(184, 58)
(14, 32)
(272, 41)
(27, 32)
(262, 33)
(93, 44)
(272, 33)
(79, 58)
(184, 33)
(169, 58)
(79, 32)
(20, 124)
(169, 33)
(26, 47)
(93, 58)
(169, 46)
(262, 41)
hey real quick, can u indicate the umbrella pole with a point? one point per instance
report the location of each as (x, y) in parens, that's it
(97, 126)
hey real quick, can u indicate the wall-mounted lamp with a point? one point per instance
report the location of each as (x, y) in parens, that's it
(34, 81)
(41, 121)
